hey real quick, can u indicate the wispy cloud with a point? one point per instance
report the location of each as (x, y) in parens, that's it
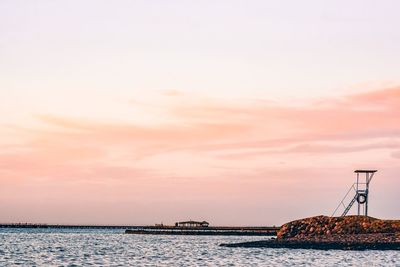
(217, 126)
(205, 144)
(396, 154)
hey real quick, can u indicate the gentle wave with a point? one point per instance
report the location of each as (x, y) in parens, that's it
(58, 247)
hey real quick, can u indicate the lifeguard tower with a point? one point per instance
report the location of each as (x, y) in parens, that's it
(357, 192)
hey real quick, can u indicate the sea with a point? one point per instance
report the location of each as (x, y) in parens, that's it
(111, 247)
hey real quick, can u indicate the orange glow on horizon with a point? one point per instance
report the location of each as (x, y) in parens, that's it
(210, 158)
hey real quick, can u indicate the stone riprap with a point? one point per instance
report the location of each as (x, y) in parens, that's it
(324, 226)
(323, 232)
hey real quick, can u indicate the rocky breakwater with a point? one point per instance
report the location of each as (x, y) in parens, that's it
(323, 232)
(325, 227)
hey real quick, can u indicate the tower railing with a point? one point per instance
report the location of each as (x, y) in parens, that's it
(360, 190)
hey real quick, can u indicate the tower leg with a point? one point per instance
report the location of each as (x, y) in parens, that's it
(369, 176)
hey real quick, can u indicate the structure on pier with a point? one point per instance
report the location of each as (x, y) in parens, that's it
(192, 224)
(358, 193)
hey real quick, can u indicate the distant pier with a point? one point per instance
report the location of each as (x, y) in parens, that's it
(216, 230)
(160, 229)
(66, 226)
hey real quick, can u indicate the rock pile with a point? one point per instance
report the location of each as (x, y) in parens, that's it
(324, 226)
(323, 232)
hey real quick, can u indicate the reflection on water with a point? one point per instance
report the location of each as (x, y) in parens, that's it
(113, 248)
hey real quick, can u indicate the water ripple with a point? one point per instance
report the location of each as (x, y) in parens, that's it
(44, 247)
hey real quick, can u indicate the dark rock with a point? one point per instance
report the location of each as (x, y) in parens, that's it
(342, 242)
(324, 225)
(323, 232)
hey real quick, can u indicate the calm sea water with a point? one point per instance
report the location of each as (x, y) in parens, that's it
(54, 247)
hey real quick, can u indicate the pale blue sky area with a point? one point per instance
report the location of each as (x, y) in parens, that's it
(231, 48)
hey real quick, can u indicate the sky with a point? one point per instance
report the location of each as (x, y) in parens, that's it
(234, 112)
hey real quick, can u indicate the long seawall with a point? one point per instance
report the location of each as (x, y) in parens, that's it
(161, 230)
(221, 230)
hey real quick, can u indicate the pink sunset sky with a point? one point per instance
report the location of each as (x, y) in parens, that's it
(234, 112)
